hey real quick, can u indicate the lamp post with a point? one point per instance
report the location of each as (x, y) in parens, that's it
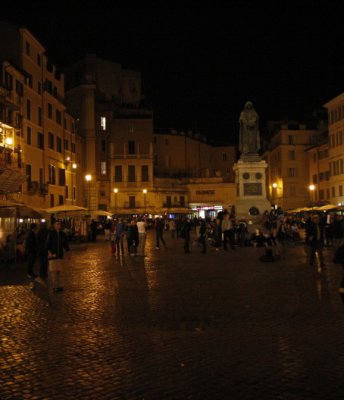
(74, 167)
(88, 179)
(312, 188)
(144, 191)
(115, 191)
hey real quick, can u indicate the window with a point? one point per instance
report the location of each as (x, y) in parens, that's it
(340, 190)
(290, 139)
(28, 135)
(333, 190)
(327, 193)
(39, 116)
(130, 129)
(60, 199)
(62, 177)
(291, 172)
(58, 117)
(131, 147)
(224, 157)
(103, 123)
(74, 193)
(41, 177)
(66, 192)
(292, 154)
(131, 173)
(50, 111)
(168, 201)
(39, 59)
(19, 88)
(132, 203)
(73, 147)
(182, 201)
(103, 145)
(8, 81)
(64, 123)
(52, 176)
(51, 141)
(321, 194)
(103, 167)
(144, 173)
(315, 178)
(40, 140)
(39, 87)
(65, 144)
(27, 48)
(59, 144)
(28, 109)
(52, 200)
(118, 173)
(28, 176)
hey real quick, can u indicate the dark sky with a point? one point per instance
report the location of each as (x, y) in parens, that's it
(200, 65)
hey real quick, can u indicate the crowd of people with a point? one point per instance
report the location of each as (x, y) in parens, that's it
(224, 232)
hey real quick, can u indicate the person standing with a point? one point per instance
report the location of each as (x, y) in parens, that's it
(132, 237)
(42, 251)
(120, 235)
(203, 236)
(315, 240)
(141, 227)
(186, 229)
(159, 231)
(57, 243)
(172, 228)
(31, 250)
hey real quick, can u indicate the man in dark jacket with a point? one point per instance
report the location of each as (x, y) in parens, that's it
(315, 239)
(31, 250)
(159, 230)
(57, 242)
(42, 251)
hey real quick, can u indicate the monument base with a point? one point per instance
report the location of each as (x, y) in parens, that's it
(251, 202)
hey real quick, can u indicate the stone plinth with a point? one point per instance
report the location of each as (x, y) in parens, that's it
(250, 189)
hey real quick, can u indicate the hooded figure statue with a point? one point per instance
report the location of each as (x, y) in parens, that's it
(249, 138)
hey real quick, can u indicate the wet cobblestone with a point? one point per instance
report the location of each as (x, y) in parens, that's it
(174, 326)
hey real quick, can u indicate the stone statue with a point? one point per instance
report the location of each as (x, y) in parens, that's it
(249, 138)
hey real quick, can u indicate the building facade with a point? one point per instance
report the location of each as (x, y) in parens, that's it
(38, 134)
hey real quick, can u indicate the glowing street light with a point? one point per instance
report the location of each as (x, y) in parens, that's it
(144, 191)
(115, 191)
(88, 179)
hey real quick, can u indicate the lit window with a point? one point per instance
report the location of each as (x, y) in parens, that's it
(103, 167)
(103, 123)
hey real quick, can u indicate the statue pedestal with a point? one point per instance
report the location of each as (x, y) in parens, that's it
(251, 201)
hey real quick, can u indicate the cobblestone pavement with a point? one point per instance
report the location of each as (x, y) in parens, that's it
(221, 325)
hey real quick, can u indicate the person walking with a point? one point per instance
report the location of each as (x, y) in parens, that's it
(186, 229)
(132, 237)
(57, 243)
(159, 231)
(31, 250)
(141, 227)
(203, 236)
(315, 240)
(42, 250)
(172, 228)
(120, 235)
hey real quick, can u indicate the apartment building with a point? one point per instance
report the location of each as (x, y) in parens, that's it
(288, 178)
(39, 136)
(199, 175)
(117, 132)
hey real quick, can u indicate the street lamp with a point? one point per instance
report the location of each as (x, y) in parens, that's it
(312, 188)
(74, 167)
(88, 179)
(144, 191)
(115, 191)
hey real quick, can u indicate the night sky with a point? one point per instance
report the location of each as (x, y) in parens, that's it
(200, 65)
